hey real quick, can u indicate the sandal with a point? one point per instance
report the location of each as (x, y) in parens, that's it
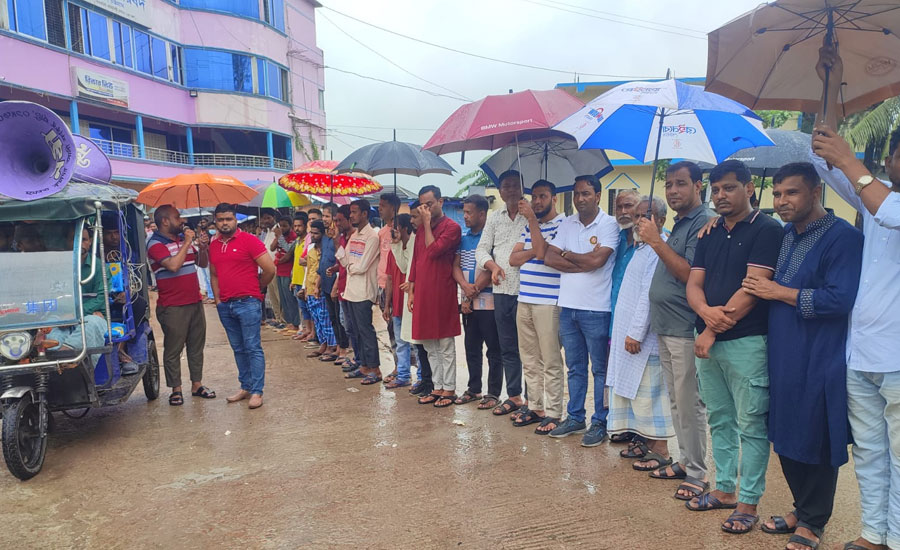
(488, 402)
(545, 423)
(781, 525)
(636, 450)
(747, 520)
(693, 487)
(661, 462)
(177, 398)
(390, 378)
(355, 374)
(314, 354)
(349, 367)
(506, 407)
(854, 546)
(416, 387)
(467, 397)
(799, 539)
(370, 379)
(327, 358)
(396, 384)
(527, 418)
(624, 437)
(706, 502)
(445, 401)
(516, 415)
(660, 473)
(429, 399)
(204, 392)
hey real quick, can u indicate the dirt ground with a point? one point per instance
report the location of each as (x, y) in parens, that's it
(323, 465)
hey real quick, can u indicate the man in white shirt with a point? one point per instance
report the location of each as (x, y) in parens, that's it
(873, 345)
(584, 251)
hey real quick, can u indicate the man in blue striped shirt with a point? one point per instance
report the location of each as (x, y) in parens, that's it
(537, 318)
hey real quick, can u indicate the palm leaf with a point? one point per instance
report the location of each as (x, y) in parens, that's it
(873, 126)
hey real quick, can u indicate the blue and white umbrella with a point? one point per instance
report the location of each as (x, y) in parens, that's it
(664, 120)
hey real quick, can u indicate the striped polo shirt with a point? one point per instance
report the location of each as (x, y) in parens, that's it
(539, 284)
(182, 287)
(467, 245)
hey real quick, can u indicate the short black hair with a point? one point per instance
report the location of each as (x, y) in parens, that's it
(318, 224)
(363, 206)
(591, 180)
(301, 216)
(344, 210)
(696, 172)
(313, 211)
(730, 166)
(404, 221)
(478, 201)
(803, 169)
(510, 174)
(544, 183)
(223, 207)
(414, 204)
(392, 200)
(286, 219)
(268, 212)
(331, 207)
(895, 141)
(433, 189)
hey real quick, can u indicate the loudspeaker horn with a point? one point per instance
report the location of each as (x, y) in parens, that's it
(91, 163)
(37, 151)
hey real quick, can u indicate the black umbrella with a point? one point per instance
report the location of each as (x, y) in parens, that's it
(394, 157)
(790, 146)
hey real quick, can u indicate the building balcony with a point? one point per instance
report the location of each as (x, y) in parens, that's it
(121, 150)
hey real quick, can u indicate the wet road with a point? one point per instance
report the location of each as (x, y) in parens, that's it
(322, 466)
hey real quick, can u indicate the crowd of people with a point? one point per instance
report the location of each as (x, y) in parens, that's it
(732, 326)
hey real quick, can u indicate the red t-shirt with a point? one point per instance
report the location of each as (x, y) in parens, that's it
(284, 270)
(398, 299)
(179, 288)
(235, 263)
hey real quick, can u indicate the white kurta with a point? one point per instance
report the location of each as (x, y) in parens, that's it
(403, 257)
(632, 319)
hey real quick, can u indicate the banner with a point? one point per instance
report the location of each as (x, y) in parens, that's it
(91, 85)
(135, 10)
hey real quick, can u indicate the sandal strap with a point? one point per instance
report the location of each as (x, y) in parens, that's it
(798, 539)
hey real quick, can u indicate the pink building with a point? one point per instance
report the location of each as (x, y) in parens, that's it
(168, 86)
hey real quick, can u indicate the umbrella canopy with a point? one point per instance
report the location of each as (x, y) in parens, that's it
(500, 120)
(767, 58)
(272, 195)
(664, 120)
(195, 190)
(394, 157)
(319, 178)
(790, 145)
(556, 159)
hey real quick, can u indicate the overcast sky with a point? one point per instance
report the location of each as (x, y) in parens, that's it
(613, 41)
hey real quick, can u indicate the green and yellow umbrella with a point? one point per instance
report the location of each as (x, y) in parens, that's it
(272, 195)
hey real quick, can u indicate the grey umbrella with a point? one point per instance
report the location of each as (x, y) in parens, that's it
(394, 157)
(790, 146)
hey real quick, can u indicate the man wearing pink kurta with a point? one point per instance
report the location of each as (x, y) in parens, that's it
(432, 295)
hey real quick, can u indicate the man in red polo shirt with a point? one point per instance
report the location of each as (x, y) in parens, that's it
(239, 268)
(179, 309)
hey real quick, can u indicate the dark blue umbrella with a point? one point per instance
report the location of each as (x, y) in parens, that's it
(394, 157)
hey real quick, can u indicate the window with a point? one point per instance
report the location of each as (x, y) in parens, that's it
(142, 52)
(261, 76)
(277, 14)
(75, 31)
(113, 141)
(177, 75)
(27, 17)
(158, 55)
(98, 35)
(273, 81)
(56, 28)
(249, 8)
(217, 70)
(122, 41)
(322, 100)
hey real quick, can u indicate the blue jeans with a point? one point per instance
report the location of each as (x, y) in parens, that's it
(585, 335)
(241, 319)
(873, 400)
(403, 351)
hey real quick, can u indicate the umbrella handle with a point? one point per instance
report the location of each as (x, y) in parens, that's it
(662, 117)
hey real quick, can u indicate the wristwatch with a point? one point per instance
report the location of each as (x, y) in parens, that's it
(863, 182)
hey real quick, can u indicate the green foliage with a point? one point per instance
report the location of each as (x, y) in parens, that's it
(775, 119)
(475, 178)
(870, 130)
(661, 166)
(314, 152)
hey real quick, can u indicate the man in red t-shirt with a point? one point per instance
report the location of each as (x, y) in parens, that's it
(179, 309)
(239, 268)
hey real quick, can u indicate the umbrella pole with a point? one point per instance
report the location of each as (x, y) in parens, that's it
(829, 41)
(519, 166)
(395, 170)
(662, 117)
(332, 188)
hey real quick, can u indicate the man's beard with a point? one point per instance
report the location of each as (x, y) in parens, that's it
(542, 213)
(625, 225)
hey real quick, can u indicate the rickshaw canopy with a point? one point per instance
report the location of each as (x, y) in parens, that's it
(75, 200)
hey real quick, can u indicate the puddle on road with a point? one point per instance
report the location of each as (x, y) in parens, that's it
(194, 479)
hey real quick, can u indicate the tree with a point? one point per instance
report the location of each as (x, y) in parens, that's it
(775, 119)
(870, 130)
(475, 178)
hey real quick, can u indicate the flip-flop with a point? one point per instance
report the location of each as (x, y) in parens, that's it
(781, 525)
(314, 354)
(660, 473)
(370, 379)
(428, 399)
(546, 422)
(747, 520)
(450, 399)
(662, 462)
(355, 374)
(707, 502)
(467, 397)
(394, 384)
(327, 358)
(529, 417)
(176, 399)
(693, 486)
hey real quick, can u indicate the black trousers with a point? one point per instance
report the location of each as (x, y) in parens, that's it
(424, 366)
(481, 330)
(365, 334)
(334, 313)
(813, 487)
(505, 307)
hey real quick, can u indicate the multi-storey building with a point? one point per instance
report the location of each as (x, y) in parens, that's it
(173, 86)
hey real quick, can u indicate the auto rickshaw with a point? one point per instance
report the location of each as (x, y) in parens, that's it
(51, 357)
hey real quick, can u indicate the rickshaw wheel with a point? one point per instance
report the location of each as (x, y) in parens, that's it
(151, 376)
(24, 447)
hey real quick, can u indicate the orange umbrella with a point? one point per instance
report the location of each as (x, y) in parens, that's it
(319, 178)
(195, 191)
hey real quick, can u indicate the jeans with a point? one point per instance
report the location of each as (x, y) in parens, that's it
(403, 351)
(424, 367)
(481, 330)
(873, 400)
(241, 319)
(505, 306)
(365, 334)
(585, 335)
(334, 312)
(347, 320)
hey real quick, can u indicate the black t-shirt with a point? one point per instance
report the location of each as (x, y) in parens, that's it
(725, 255)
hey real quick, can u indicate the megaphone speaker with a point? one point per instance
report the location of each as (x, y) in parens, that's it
(37, 151)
